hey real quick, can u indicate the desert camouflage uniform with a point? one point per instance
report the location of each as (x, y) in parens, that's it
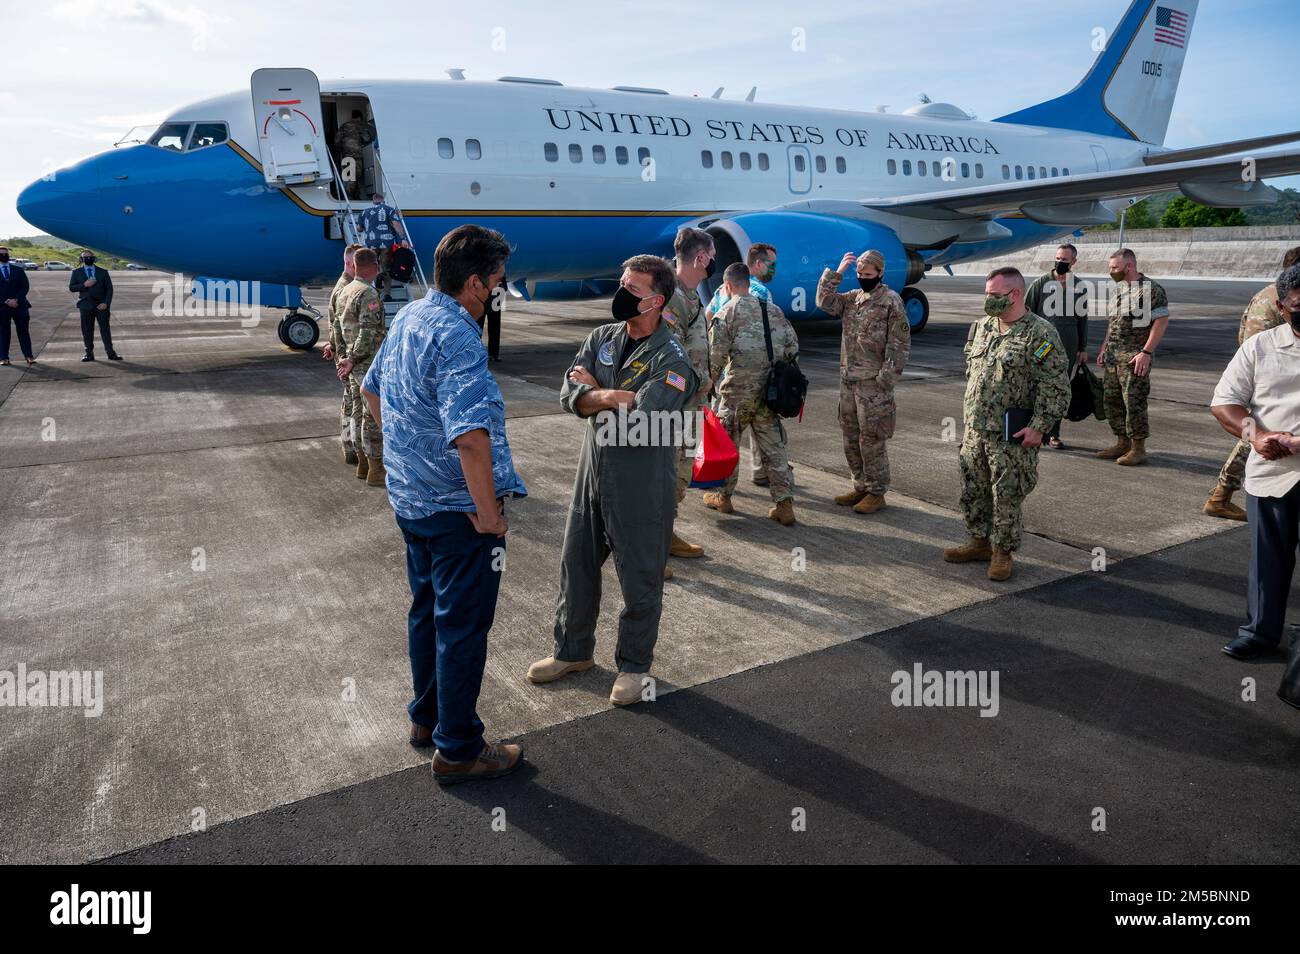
(684, 314)
(876, 342)
(351, 141)
(1023, 367)
(1261, 314)
(361, 325)
(1133, 307)
(738, 362)
(336, 344)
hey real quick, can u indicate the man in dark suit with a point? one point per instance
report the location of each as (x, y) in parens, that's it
(13, 305)
(94, 290)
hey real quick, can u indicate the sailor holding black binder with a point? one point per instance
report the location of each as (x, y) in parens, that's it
(1017, 389)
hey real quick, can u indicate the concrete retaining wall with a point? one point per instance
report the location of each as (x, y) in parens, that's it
(1252, 251)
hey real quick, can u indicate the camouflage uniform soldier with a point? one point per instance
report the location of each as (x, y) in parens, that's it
(874, 348)
(361, 317)
(1013, 360)
(334, 347)
(1261, 314)
(1139, 313)
(684, 314)
(738, 361)
(351, 141)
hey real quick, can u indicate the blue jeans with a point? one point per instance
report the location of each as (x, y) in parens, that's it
(1274, 535)
(454, 586)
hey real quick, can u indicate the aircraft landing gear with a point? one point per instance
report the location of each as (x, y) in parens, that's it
(298, 331)
(917, 307)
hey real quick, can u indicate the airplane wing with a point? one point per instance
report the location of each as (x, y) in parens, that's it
(1075, 199)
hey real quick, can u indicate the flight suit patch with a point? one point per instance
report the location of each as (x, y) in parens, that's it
(1043, 350)
(606, 355)
(675, 380)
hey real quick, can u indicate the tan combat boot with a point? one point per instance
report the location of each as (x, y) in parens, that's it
(1137, 454)
(870, 503)
(627, 688)
(680, 548)
(850, 498)
(349, 455)
(551, 669)
(1000, 565)
(1220, 505)
(363, 466)
(719, 502)
(1116, 450)
(976, 548)
(376, 474)
(783, 513)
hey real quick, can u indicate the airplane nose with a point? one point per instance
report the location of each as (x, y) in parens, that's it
(63, 203)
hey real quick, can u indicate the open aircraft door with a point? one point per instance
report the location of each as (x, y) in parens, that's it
(290, 132)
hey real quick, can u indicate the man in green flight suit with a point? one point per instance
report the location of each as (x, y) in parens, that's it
(625, 490)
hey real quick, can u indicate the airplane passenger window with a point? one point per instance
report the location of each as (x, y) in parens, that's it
(820, 163)
(598, 154)
(706, 158)
(473, 149)
(979, 170)
(171, 136)
(1006, 172)
(799, 164)
(575, 152)
(1019, 173)
(551, 152)
(892, 167)
(1042, 172)
(745, 162)
(642, 154)
(1065, 172)
(907, 167)
(965, 170)
(1053, 172)
(763, 164)
(445, 148)
(726, 160)
(207, 134)
(840, 164)
(920, 167)
(1031, 172)
(620, 155)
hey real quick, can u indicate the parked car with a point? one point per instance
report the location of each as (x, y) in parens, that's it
(56, 266)
(133, 267)
(27, 265)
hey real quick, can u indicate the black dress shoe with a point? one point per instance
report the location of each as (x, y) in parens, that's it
(114, 356)
(89, 357)
(1243, 647)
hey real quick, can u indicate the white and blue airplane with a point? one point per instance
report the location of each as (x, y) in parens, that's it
(580, 179)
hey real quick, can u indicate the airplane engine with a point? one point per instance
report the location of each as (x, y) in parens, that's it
(806, 243)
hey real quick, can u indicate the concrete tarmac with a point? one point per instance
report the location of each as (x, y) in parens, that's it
(183, 521)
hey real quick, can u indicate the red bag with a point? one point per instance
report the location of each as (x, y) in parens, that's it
(716, 456)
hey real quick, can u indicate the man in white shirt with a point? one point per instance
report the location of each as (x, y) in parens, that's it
(1258, 400)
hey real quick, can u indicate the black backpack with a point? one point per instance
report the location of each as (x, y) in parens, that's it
(401, 265)
(786, 385)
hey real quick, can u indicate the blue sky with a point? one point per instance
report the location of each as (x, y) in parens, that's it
(81, 72)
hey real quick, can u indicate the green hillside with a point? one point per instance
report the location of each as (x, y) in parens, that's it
(47, 248)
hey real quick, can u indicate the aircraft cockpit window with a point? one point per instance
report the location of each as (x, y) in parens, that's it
(207, 134)
(171, 136)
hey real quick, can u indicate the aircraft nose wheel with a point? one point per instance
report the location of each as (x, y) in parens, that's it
(298, 331)
(917, 307)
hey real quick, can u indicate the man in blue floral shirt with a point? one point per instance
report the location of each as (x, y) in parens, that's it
(449, 473)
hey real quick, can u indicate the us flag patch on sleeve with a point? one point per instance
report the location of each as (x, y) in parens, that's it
(1043, 350)
(675, 380)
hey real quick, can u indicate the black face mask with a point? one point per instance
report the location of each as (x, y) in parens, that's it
(4, 256)
(1062, 267)
(710, 268)
(625, 305)
(868, 284)
(88, 260)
